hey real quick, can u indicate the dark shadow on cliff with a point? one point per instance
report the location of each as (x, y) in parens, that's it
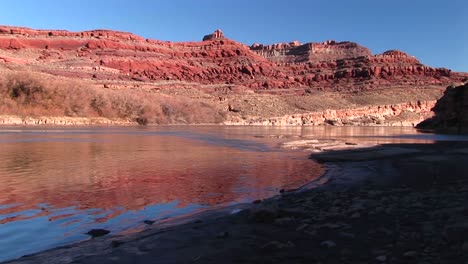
(451, 111)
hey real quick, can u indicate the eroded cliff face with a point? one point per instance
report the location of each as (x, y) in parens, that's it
(112, 55)
(404, 114)
(349, 66)
(220, 71)
(451, 111)
(295, 52)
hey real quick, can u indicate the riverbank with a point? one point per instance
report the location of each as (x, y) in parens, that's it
(10, 120)
(406, 204)
(32, 98)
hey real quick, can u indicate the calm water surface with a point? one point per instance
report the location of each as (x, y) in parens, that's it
(58, 183)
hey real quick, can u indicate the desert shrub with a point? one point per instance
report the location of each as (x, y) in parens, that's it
(99, 104)
(35, 94)
(26, 90)
(23, 89)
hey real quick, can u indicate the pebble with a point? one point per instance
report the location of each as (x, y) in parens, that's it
(356, 215)
(149, 222)
(223, 235)
(328, 244)
(302, 227)
(97, 232)
(382, 258)
(410, 254)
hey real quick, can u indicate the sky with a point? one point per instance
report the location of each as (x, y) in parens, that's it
(435, 32)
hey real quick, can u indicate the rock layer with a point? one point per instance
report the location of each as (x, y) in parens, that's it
(329, 65)
(278, 84)
(405, 114)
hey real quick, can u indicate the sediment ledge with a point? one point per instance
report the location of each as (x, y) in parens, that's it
(403, 114)
(62, 121)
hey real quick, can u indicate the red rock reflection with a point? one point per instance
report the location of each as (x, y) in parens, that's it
(135, 171)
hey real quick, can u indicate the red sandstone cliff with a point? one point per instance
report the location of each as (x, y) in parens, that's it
(113, 55)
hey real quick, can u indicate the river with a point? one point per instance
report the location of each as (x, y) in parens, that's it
(58, 183)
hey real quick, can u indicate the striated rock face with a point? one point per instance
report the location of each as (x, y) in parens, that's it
(337, 63)
(292, 67)
(311, 52)
(404, 114)
(451, 111)
(28, 32)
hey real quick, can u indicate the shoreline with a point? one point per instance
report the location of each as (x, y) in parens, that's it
(164, 225)
(61, 121)
(327, 218)
(408, 114)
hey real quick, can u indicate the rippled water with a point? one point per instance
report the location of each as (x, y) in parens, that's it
(56, 183)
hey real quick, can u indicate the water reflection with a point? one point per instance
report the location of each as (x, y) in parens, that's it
(136, 171)
(379, 135)
(57, 185)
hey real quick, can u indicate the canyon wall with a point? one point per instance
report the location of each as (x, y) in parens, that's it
(404, 114)
(330, 65)
(220, 70)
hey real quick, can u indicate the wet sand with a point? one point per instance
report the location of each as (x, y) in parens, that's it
(402, 203)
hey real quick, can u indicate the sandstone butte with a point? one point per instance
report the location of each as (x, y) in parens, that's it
(114, 59)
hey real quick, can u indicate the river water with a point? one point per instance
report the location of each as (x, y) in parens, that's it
(58, 183)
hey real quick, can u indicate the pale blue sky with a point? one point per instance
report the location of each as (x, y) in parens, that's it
(436, 32)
